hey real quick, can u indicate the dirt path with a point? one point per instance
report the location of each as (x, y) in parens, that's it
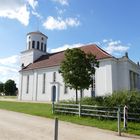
(18, 126)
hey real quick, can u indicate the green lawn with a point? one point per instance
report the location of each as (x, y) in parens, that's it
(8, 97)
(44, 110)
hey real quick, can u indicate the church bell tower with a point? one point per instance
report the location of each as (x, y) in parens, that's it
(36, 46)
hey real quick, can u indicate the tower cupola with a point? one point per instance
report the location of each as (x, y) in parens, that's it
(37, 40)
(36, 46)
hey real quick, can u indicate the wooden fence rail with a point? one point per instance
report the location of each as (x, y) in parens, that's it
(94, 111)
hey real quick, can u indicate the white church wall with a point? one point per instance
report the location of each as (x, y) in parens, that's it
(27, 95)
(27, 57)
(37, 54)
(30, 56)
(114, 74)
(110, 76)
(103, 78)
(123, 75)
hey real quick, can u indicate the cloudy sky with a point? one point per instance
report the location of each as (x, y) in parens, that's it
(114, 25)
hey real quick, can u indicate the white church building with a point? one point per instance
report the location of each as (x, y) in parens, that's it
(40, 79)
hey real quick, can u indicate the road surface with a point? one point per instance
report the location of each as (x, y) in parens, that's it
(19, 126)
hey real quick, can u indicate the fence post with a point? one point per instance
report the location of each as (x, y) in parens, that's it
(56, 129)
(79, 109)
(125, 116)
(52, 107)
(119, 121)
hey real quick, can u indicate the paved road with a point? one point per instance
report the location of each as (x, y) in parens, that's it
(19, 126)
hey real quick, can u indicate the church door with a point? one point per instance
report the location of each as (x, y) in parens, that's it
(53, 93)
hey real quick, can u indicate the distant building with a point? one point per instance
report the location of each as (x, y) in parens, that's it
(41, 81)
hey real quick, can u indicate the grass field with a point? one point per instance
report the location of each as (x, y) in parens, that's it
(8, 97)
(44, 110)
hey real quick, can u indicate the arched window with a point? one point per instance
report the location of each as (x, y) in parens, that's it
(33, 44)
(38, 45)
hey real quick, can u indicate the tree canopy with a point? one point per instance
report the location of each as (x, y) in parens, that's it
(10, 87)
(1, 87)
(78, 68)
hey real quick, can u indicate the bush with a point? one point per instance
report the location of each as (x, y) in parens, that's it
(97, 101)
(118, 98)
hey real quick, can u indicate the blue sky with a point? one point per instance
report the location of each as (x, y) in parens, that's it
(114, 25)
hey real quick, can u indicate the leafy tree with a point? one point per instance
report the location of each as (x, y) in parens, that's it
(1, 87)
(10, 87)
(77, 69)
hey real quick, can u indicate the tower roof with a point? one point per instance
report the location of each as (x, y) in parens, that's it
(55, 59)
(37, 32)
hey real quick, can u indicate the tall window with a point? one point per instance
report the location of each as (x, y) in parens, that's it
(65, 89)
(38, 45)
(134, 78)
(29, 45)
(54, 76)
(44, 83)
(93, 87)
(33, 44)
(41, 46)
(27, 86)
(44, 47)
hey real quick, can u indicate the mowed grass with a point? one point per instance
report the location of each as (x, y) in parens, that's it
(8, 97)
(45, 110)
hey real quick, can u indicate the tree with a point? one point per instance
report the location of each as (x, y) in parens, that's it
(77, 69)
(10, 87)
(1, 87)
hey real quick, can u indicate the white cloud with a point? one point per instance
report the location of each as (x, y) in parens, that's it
(14, 10)
(66, 46)
(33, 3)
(17, 9)
(114, 47)
(52, 23)
(62, 2)
(9, 68)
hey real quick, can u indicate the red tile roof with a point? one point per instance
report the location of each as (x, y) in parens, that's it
(55, 59)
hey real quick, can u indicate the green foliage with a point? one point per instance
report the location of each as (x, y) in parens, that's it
(119, 98)
(10, 87)
(97, 101)
(78, 68)
(1, 87)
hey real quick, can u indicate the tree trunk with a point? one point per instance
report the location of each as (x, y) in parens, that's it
(76, 97)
